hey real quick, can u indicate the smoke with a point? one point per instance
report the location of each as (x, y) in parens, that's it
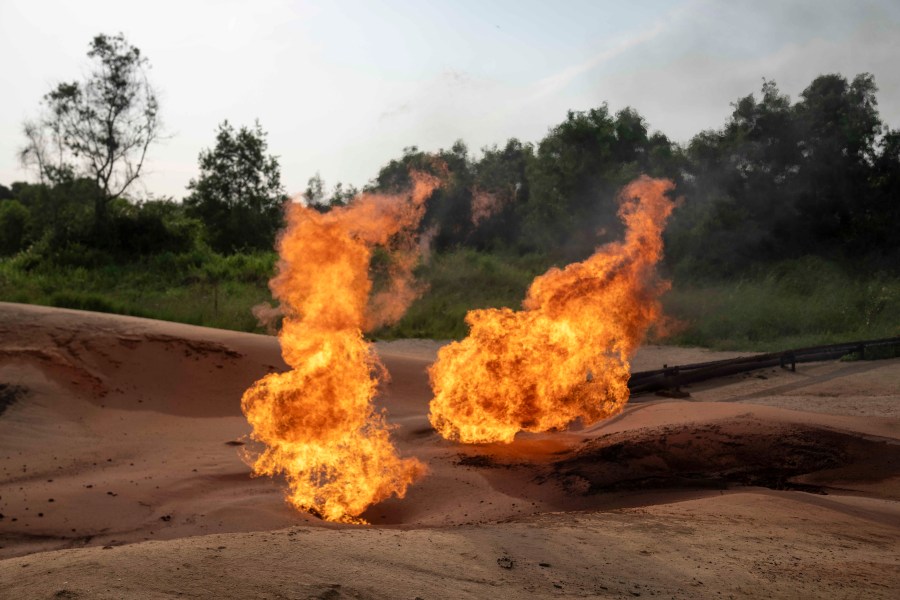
(267, 316)
(485, 205)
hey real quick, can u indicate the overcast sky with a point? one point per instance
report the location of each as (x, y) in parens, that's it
(344, 86)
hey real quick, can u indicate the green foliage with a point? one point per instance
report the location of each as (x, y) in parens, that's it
(575, 176)
(165, 286)
(153, 227)
(61, 229)
(784, 180)
(62, 213)
(82, 301)
(13, 226)
(501, 178)
(460, 281)
(791, 304)
(786, 235)
(316, 196)
(238, 195)
(448, 211)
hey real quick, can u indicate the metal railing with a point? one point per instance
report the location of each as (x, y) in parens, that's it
(671, 378)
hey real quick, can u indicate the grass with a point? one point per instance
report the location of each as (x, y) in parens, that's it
(789, 305)
(793, 304)
(208, 290)
(458, 282)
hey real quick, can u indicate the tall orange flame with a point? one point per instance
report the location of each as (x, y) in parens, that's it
(566, 355)
(317, 420)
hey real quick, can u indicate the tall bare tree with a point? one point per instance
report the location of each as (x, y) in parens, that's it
(99, 128)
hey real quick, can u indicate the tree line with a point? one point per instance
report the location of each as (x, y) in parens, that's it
(780, 179)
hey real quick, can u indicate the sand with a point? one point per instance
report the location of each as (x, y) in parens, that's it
(121, 475)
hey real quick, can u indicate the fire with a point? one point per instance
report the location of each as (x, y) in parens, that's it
(318, 421)
(566, 355)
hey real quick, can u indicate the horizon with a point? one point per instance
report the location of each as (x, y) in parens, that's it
(381, 84)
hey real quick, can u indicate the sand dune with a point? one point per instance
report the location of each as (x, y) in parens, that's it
(121, 476)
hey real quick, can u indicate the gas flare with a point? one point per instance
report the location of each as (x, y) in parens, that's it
(318, 421)
(566, 355)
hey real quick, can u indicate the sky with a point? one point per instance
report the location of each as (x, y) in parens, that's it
(342, 87)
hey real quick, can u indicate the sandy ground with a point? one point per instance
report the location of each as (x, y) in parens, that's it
(121, 476)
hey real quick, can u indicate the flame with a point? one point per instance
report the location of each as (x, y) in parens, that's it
(317, 420)
(566, 355)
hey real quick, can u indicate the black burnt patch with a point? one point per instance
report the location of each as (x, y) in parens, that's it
(721, 455)
(10, 394)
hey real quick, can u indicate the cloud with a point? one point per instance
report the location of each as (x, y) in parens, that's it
(342, 92)
(693, 91)
(557, 82)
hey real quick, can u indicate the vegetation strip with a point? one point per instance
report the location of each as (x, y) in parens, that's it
(790, 199)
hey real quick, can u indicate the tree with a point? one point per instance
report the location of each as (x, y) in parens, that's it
(315, 196)
(502, 190)
(883, 216)
(742, 188)
(100, 128)
(13, 226)
(238, 195)
(342, 196)
(782, 180)
(62, 214)
(576, 173)
(840, 124)
(449, 208)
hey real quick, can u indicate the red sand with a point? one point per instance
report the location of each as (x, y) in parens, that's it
(117, 479)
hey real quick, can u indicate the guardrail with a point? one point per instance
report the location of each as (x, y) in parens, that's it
(671, 378)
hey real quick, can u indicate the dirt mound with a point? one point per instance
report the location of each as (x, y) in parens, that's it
(121, 444)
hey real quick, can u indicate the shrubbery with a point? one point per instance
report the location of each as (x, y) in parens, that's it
(787, 202)
(13, 226)
(791, 304)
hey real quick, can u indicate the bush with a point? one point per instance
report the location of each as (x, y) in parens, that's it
(86, 302)
(152, 228)
(793, 304)
(460, 281)
(13, 226)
